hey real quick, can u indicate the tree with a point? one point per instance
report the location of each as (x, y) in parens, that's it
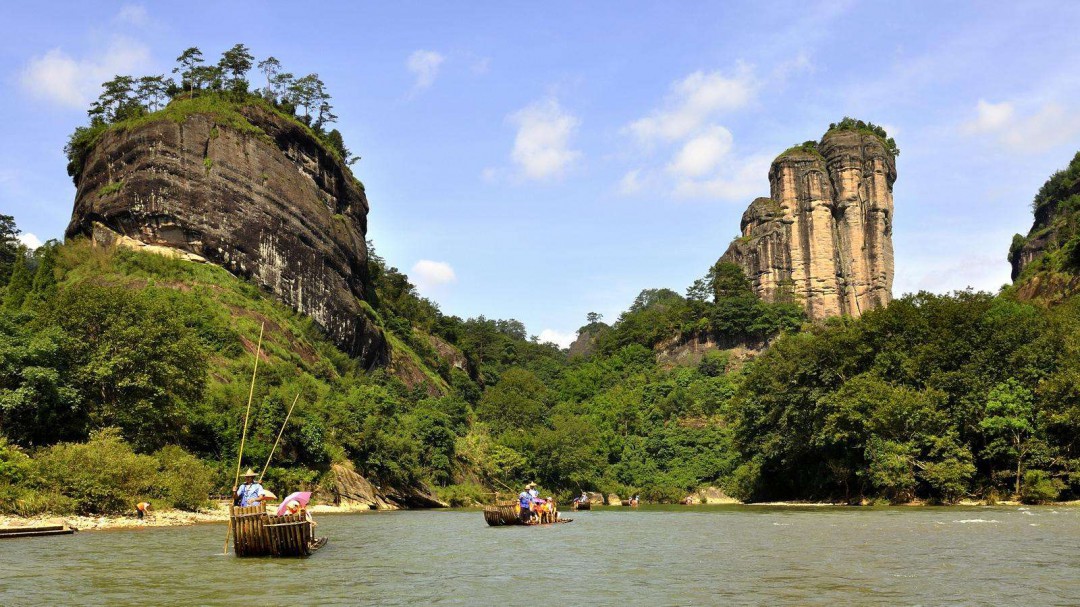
(188, 61)
(1010, 422)
(309, 92)
(280, 85)
(270, 67)
(729, 280)
(10, 248)
(19, 285)
(518, 402)
(209, 75)
(235, 63)
(151, 91)
(337, 142)
(593, 317)
(116, 102)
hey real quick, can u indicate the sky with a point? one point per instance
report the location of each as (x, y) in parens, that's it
(540, 161)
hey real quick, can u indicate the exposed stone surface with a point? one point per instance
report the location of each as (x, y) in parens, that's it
(613, 500)
(274, 207)
(351, 489)
(584, 345)
(824, 236)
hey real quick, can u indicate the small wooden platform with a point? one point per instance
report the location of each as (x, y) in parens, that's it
(39, 531)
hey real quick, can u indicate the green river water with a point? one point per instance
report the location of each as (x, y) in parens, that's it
(719, 555)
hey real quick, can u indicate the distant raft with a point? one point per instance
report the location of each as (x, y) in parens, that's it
(501, 515)
(585, 505)
(256, 533)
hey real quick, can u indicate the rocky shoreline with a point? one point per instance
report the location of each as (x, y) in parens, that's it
(164, 518)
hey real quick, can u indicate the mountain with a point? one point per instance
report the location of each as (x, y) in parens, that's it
(248, 188)
(1046, 262)
(824, 236)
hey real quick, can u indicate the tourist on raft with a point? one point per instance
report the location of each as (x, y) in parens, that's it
(250, 493)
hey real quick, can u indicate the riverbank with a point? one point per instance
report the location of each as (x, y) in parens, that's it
(219, 513)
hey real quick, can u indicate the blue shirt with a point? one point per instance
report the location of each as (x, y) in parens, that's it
(523, 500)
(248, 493)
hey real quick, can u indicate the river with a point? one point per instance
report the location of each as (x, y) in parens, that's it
(648, 556)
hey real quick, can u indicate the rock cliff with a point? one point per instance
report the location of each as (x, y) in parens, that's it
(256, 194)
(824, 236)
(1046, 262)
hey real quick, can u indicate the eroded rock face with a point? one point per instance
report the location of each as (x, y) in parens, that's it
(273, 207)
(824, 236)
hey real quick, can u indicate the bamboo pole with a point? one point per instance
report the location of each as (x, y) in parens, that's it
(243, 434)
(278, 439)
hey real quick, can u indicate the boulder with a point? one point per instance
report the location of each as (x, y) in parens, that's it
(351, 489)
(613, 500)
(715, 495)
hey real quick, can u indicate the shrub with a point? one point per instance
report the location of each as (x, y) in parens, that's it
(100, 476)
(184, 480)
(464, 495)
(1039, 487)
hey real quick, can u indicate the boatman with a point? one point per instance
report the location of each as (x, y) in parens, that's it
(525, 501)
(250, 493)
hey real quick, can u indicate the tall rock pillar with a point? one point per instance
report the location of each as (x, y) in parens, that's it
(824, 238)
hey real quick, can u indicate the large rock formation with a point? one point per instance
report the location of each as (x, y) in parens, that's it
(824, 236)
(260, 197)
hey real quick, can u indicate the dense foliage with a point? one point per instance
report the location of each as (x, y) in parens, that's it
(125, 100)
(1057, 224)
(851, 124)
(935, 397)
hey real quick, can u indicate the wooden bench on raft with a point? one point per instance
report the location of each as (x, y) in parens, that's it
(256, 533)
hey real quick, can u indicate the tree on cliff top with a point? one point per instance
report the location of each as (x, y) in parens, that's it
(236, 62)
(189, 61)
(851, 124)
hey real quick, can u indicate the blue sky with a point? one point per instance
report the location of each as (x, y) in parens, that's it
(543, 160)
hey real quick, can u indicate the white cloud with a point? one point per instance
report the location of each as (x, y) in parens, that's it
(65, 80)
(631, 183)
(1046, 128)
(424, 65)
(542, 145)
(135, 14)
(31, 241)
(735, 181)
(427, 274)
(481, 66)
(990, 117)
(559, 338)
(703, 153)
(693, 101)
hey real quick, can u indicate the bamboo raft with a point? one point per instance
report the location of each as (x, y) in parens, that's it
(501, 515)
(582, 506)
(11, 532)
(256, 533)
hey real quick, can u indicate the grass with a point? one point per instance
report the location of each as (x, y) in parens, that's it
(806, 147)
(225, 112)
(111, 188)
